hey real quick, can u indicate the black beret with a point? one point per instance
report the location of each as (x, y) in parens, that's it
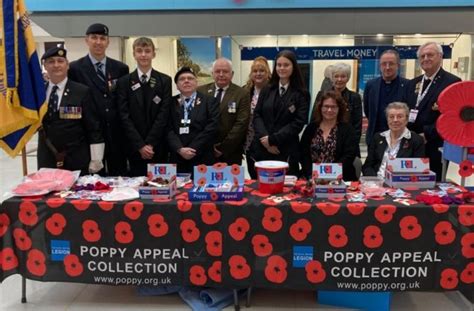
(98, 29)
(56, 51)
(183, 70)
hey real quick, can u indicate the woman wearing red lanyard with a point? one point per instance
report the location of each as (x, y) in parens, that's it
(397, 142)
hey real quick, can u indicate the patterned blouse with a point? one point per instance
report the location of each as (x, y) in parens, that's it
(251, 131)
(324, 151)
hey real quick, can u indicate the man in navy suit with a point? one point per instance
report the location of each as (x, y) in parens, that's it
(381, 91)
(100, 73)
(422, 95)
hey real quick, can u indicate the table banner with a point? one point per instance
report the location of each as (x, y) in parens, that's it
(296, 243)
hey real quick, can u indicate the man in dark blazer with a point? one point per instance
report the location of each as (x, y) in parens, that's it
(70, 137)
(102, 83)
(234, 108)
(381, 91)
(193, 124)
(144, 98)
(422, 95)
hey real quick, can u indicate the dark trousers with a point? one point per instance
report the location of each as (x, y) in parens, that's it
(432, 152)
(251, 165)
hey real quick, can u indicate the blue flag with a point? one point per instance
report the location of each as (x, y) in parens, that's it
(22, 92)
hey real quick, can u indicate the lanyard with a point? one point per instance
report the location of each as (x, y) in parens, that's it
(420, 94)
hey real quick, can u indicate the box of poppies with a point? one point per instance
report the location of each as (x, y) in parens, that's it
(327, 180)
(219, 182)
(160, 182)
(409, 172)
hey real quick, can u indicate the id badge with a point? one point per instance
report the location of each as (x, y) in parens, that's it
(232, 107)
(413, 115)
(184, 130)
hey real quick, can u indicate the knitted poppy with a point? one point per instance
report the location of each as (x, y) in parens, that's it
(465, 168)
(456, 123)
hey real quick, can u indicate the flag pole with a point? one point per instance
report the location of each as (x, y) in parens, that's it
(24, 166)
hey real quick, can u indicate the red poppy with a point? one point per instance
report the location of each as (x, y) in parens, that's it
(106, 205)
(261, 245)
(440, 208)
(197, 275)
(337, 236)
(467, 275)
(8, 259)
(36, 262)
(449, 279)
(270, 202)
(202, 169)
(123, 232)
(219, 166)
(213, 241)
(237, 203)
(456, 104)
(275, 270)
(300, 230)
(4, 223)
(215, 271)
(239, 269)
(72, 265)
(133, 210)
(315, 272)
(239, 228)
(81, 205)
(384, 213)
(27, 213)
(22, 240)
(209, 213)
(465, 168)
(444, 233)
(55, 224)
(260, 194)
(214, 196)
(410, 228)
(356, 208)
(467, 243)
(327, 208)
(300, 207)
(271, 220)
(202, 182)
(91, 231)
(157, 225)
(182, 196)
(466, 215)
(235, 169)
(184, 205)
(55, 202)
(373, 237)
(189, 231)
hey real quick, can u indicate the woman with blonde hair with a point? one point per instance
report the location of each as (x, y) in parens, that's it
(258, 78)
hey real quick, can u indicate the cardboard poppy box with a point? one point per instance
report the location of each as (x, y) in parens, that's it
(409, 172)
(328, 182)
(217, 183)
(161, 183)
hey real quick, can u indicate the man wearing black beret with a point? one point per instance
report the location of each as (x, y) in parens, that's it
(193, 124)
(70, 137)
(100, 73)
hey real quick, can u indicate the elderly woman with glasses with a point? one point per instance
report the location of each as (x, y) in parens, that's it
(396, 142)
(329, 138)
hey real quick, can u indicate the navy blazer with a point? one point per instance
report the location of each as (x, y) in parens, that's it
(372, 102)
(409, 148)
(428, 111)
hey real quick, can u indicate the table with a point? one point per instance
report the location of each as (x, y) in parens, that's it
(379, 245)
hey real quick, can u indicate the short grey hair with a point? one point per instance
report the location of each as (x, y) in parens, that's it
(328, 71)
(398, 106)
(436, 44)
(341, 67)
(224, 59)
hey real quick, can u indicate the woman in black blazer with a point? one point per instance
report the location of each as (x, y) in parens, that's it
(397, 142)
(329, 138)
(281, 113)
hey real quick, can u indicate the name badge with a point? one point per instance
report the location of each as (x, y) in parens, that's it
(157, 99)
(232, 107)
(184, 121)
(413, 115)
(292, 108)
(136, 86)
(184, 130)
(72, 113)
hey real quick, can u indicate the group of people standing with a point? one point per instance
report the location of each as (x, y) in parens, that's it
(103, 119)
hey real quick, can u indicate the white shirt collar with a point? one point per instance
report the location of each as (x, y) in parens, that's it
(284, 86)
(61, 85)
(140, 73)
(433, 76)
(224, 88)
(406, 134)
(95, 61)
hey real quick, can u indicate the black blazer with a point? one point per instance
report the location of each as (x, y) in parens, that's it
(145, 123)
(409, 148)
(71, 135)
(428, 111)
(282, 124)
(202, 130)
(346, 150)
(83, 71)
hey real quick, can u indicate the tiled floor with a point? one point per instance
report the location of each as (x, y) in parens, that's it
(70, 296)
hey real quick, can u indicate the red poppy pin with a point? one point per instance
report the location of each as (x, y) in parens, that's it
(465, 168)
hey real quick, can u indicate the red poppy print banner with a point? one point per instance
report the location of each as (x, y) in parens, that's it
(260, 241)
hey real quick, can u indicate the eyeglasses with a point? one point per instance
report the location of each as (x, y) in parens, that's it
(327, 108)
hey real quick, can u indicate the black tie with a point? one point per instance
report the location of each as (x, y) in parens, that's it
(425, 85)
(100, 73)
(219, 95)
(53, 101)
(143, 79)
(282, 91)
